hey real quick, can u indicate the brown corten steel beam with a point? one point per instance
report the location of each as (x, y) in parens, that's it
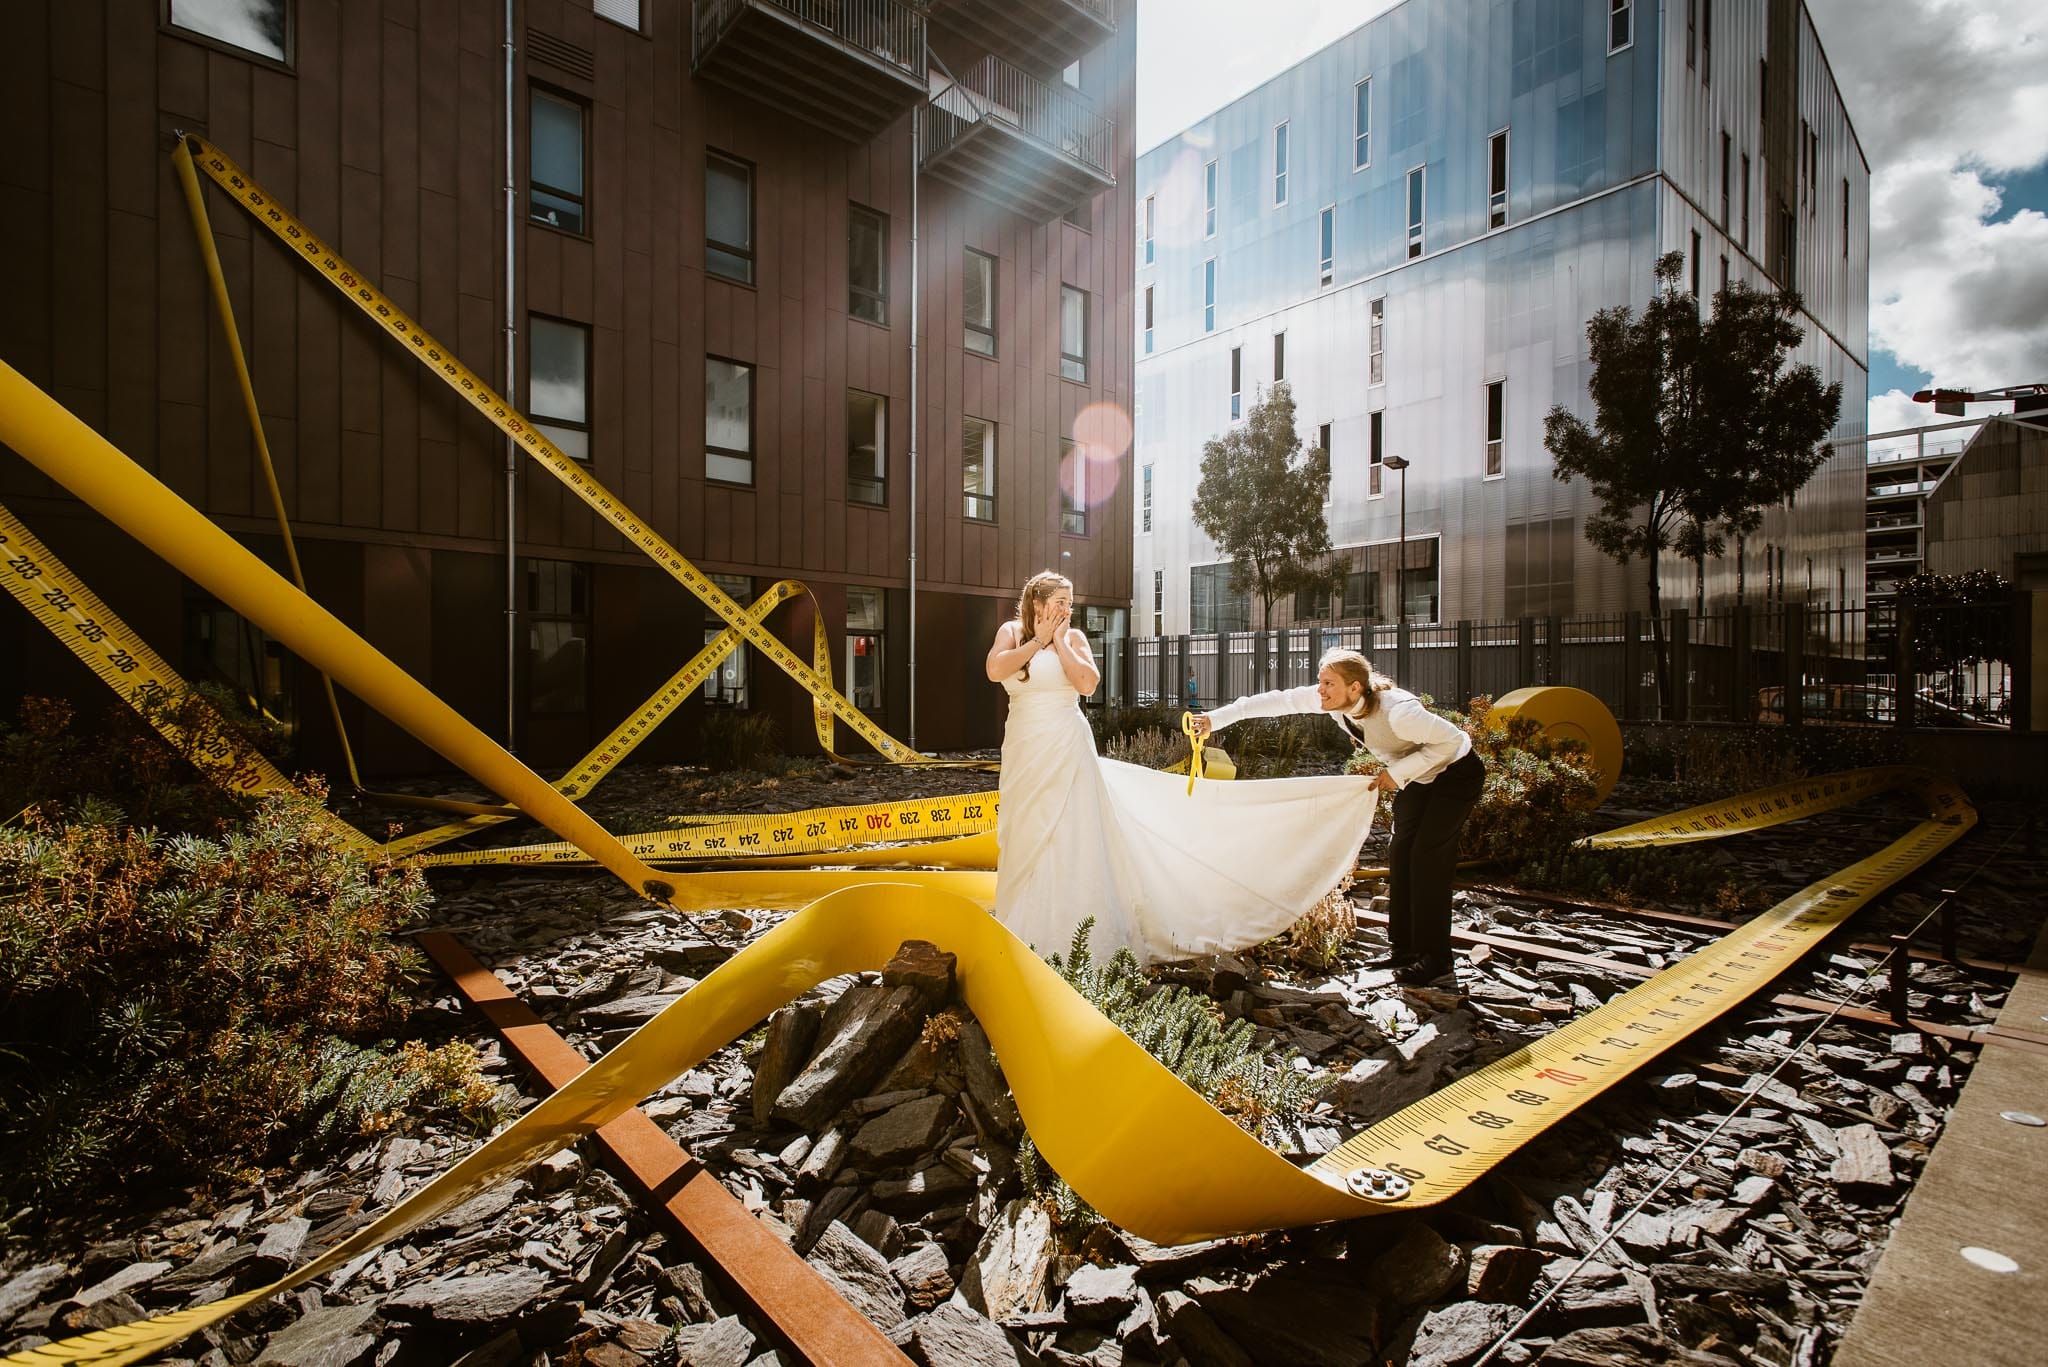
(1530, 949)
(786, 1291)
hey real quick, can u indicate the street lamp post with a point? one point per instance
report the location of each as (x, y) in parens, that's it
(1400, 464)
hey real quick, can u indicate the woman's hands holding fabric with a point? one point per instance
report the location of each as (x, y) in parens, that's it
(1384, 781)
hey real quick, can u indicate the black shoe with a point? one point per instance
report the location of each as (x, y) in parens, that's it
(1394, 959)
(1428, 973)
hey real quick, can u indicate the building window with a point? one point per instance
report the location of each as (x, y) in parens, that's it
(1707, 42)
(1070, 74)
(1236, 382)
(1361, 125)
(1279, 357)
(864, 649)
(1813, 170)
(1763, 95)
(625, 13)
(1695, 264)
(557, 636)
(1727, 148)
(1147, 222)
(978, 469)
(1692, 33)
(867, 447)
(225, 648)
(1724, 274)
(1743, 232)
(1073, 334)
(867, 264)
(729, 218)
(1280, 165)
(555, 163)
(558, 383)
(1209, 200)
(1370, 594)
(1148, 320)
(261, 27)
(1496, 428)
(1082, 215)
(1376, 453)
(1073, 476)
(1497, 179)
(1327, 268)
(978, 297)
(1209, 295)
(1145, 500)
(1323, 445)
(728, 420)
(1787, 228)
(1621, 25)
(1845, 218)
(1211, 604)
(1159, 602)
(726, 686)
(1376, 343)
(1415, 203)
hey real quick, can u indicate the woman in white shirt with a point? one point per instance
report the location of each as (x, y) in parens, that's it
(1431, 769)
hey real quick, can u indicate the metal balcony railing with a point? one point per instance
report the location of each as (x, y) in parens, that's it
(1052, 115)
(887, 29)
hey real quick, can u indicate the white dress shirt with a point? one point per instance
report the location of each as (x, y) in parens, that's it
(1413, 742)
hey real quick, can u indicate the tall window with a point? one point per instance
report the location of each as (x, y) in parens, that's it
(1236, 382)
(1727, 149)
(1415, 203)
(1279, 357)
(1376, 453)
(1804, 141)
(864, 649)
(867, 447)
(1845, 218)
(1695, 264)
(728, 420)
(729, 218)
(557, 637)
(1148, 320)
(1361, 124)
(1145, 500)
(1073, 489)
(1497, 179)
(555, 167)
(978, 469)
(1326, 271)
(1212, 605)
(262, 27)
(625, 13)
(1724, 273)
(1621, 25)
(726, 686)
(1692, 32)
(1743, 232)
(1280, 164)
(1209, 200)
(978, 300)
(558, 382)
(1787, 230)
(1323, 445)
(1763, 94)
(1376, 342)
(1707, 42)
(1070, 74)
(1496, 428)
(867, 264)
(1159, 602)
(1209, 295)
(1073, 334)
(1147, 222)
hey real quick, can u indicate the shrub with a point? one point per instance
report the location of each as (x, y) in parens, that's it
(175, 1005)
(1223, 1063)
(735, 740)
(1705, 762)
(1150, 748)
(1539, 791)
(1317, 939)
(1681, 878)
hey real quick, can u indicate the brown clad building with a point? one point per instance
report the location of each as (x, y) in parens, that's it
(731, 290)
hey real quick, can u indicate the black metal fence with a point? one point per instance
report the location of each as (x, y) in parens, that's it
(1947, 665)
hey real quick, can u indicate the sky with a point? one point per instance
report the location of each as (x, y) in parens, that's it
(1949, 99)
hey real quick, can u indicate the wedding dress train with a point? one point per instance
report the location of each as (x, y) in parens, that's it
(1167, 874)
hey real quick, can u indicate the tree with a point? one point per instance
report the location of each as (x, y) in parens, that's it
(1698, 427)
(1958, 620)
(1261, 501)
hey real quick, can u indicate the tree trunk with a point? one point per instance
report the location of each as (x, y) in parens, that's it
(1660, 651)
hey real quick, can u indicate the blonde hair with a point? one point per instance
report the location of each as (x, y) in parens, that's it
(1037, 589)
(1354, 668)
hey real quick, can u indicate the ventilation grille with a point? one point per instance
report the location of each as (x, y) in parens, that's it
(562, 55)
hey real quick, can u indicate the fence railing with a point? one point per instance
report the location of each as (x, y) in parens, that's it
(889, 29)
(1050, 114)
(1944, 665)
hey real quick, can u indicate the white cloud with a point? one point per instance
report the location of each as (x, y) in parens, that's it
(1944, 93)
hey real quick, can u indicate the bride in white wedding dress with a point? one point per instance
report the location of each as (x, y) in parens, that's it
(1166, 874)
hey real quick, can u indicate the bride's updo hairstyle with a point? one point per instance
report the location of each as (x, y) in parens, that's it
(1037, 589)
(1354, 668)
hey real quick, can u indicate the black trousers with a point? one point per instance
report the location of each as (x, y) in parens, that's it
(1428, 819)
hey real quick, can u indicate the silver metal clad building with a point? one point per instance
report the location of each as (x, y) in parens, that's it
(1413, 227)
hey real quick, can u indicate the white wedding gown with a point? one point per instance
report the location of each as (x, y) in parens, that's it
(1167, 874)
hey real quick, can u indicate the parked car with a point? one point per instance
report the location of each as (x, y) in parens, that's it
(1861, 705)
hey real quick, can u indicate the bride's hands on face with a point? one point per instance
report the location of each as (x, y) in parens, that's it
(1050, 623)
